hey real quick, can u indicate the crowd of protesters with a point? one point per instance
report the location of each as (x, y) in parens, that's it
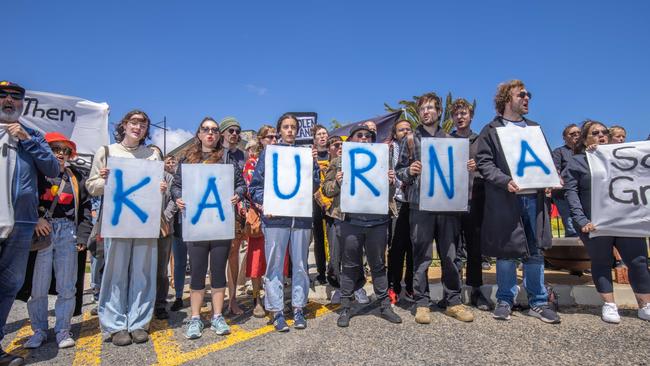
(59, 210)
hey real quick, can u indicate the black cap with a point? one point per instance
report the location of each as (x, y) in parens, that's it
(11, 86)
(362, 127)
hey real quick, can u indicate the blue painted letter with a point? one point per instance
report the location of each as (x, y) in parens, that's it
(121, 197)
(358, 173)
(212, 189)
(434, 164)
(523, 164)
(276, 188)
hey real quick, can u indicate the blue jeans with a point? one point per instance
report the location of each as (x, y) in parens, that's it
(14, 251)
(62, 254)
(276, 241)
(565, 214)
(128, 294)
(179, 251)
(533, 264)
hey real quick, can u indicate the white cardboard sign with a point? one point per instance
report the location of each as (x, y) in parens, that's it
(444, 179)
(288, 181)
(365, 187)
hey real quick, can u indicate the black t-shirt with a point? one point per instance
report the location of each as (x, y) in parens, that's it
(48, 187)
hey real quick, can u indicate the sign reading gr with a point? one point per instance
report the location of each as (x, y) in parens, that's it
(288, 181)
(444, 181)
(365, 187)
(132, 199)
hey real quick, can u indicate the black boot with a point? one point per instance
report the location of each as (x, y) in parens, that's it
(479, 301)
(10, 360)
(387, 312)
(177, 305)
(344, 317)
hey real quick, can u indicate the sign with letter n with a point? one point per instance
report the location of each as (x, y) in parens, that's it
(444, 178)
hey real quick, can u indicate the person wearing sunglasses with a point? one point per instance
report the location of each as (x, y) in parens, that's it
(427, 226)
(334, 146)
(231, 136)
(24, 154)
(320, 154)
(561, 157)
(64, 217)
(577, 186)
(516, 226)
(359, 233)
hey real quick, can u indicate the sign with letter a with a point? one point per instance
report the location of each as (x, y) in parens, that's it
(529, 159)
(209, 214)
(288, 181)
(132, 198)
(364, 188)
(444, 181)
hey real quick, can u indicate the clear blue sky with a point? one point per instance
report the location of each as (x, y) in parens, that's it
(342, 59)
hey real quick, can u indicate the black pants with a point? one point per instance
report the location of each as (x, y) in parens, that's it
(217, 252)
(354, 240)
(162, 278)
(400, 249)
(444, 228)
(334, 265)
(470, 236)
(634, 254)
(319, 239)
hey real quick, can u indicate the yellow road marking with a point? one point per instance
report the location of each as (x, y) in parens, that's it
(89, 345)
(16, 345)
(169, 353)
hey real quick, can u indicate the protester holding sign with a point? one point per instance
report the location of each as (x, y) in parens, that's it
(516, 226)
(24, 154)
(283, 231)
(427, 226)
(207, 149)
(359, 232)
(126, 302)
(65, 221)
(462, 113)
(334, 144)
(578, 191)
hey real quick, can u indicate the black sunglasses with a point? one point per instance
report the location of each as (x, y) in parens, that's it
(13, 94)
(599, 132)
(234, 131)
(360, 135)
(213, 130)
(523, 94)
(61, 150)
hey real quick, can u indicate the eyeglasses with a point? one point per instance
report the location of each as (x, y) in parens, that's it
(12, 94)
(361, 135)
(427, 108)
(234, 131)
(337, 145)
(523, 94)
(599, 132)
(405, 129)
(270, 137)
(61, 150)
(574, 133)
(136, 123)
(212, 130)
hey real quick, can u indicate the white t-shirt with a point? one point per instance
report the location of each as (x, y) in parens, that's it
(7, 170)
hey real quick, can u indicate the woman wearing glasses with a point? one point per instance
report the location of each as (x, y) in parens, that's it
(64, 210)
(577, 186)
(207, 149)
(126, 302)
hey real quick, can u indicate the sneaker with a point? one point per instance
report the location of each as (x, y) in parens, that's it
(610, 313)
(64, 339)
(36, 340)
(502, 311)
(544, 313)
(460, 312)
(219, 325)
(299, 321)
(409, 295)
(344, 318)
(644, 312)
(486, 266)
(194, 328)
(121, 338)
(161, 313)
(361, 296)
(140, 336)
(387, 313)
(321, 280)
(279, 323)
(336, 297)
(478, 300)
(177, 305)
(392, 296)
(94, 310)
(422, 315)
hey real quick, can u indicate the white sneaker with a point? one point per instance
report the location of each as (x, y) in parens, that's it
(610, 313)
(36, 340)
(64, 339)
(336, 297)
(644, 312)
(361, 296)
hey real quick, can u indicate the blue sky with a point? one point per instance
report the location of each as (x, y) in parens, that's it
(342, 59)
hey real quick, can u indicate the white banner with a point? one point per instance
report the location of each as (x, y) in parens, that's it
(529, 159)
(132, 198)
(620, 189)
(288, 181)
(207, 189)
(444, 181)
(82, 121)
(364, 188)
(7, 168)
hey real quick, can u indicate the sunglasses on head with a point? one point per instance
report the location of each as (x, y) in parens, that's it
(15, 95)
(212, 130)
(599, 132)
(234, 131)
(61, 150)
(523, 94)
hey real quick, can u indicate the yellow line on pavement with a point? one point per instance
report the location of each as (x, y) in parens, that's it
(162, 339)
(237, 335)
(89, 345)
(16, 345)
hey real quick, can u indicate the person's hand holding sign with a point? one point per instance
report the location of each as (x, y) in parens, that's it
(180, 203)
(339, 177)
(588, 228)
(163, 186)
(391, 177)
(513, 187)
(471, 165)
(103, 172)
(416, 168)
(17, 131)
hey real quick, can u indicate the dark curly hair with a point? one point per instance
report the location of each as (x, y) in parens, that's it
(503, 94)
(119, 132)
(195, 153)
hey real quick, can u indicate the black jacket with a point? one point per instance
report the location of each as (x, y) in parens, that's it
(502, 233)
(577, 189)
